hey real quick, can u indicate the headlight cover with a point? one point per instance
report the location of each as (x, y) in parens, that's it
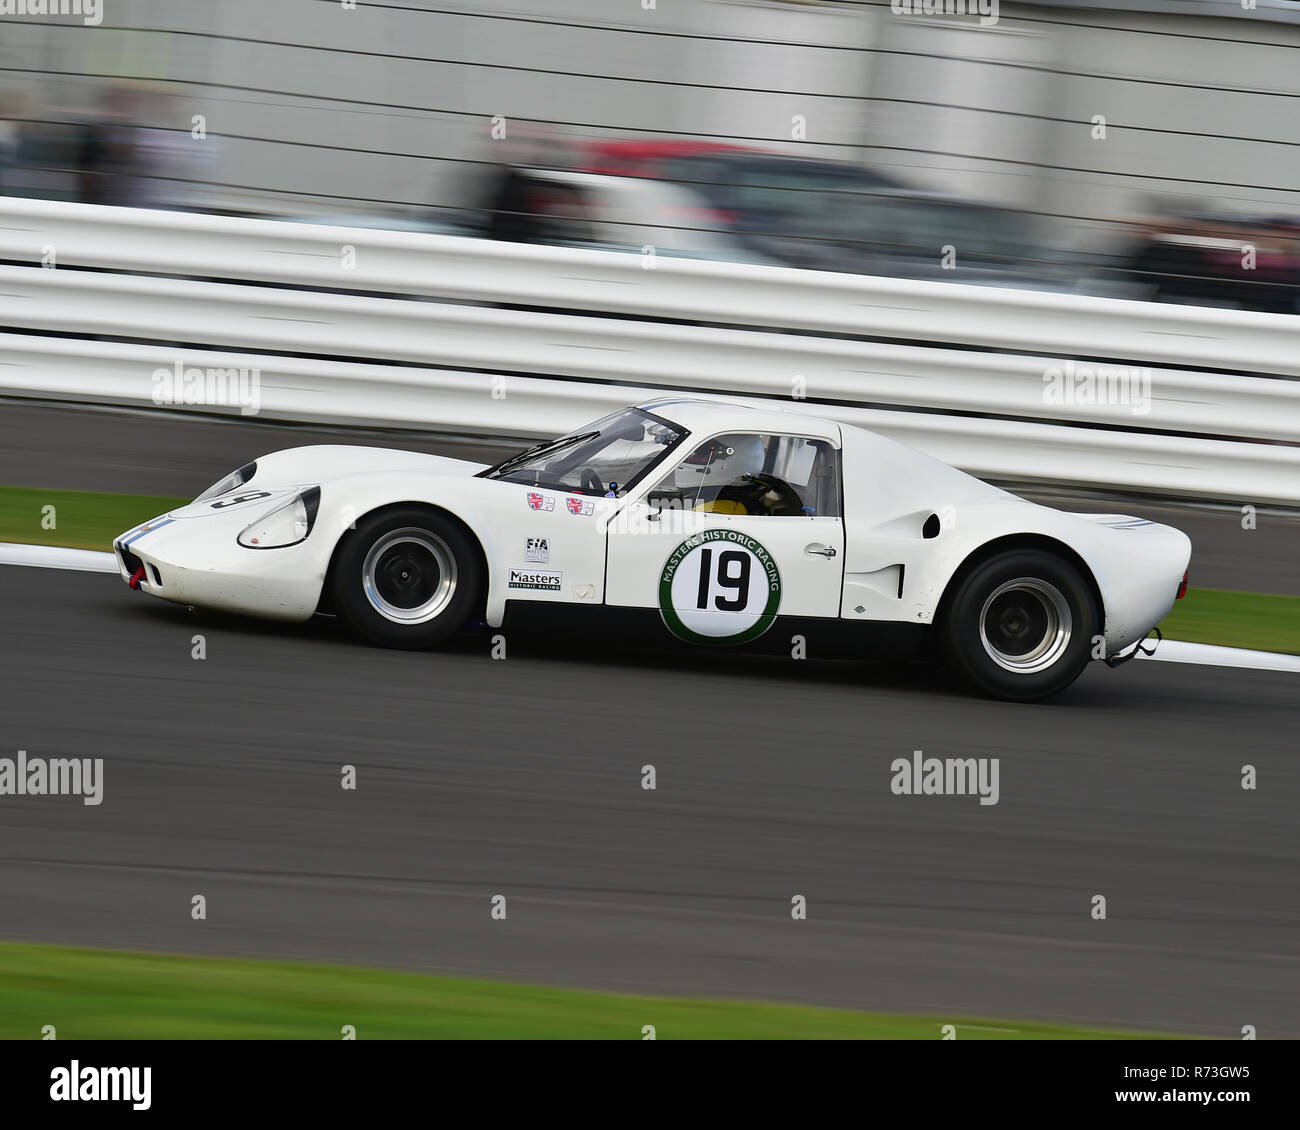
(285, 525)
(230, 482)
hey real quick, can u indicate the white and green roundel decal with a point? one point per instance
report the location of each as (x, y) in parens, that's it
(719, 587)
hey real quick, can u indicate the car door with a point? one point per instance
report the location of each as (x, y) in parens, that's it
(721, 560)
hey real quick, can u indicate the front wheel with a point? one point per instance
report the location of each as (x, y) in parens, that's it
(1020, 626)
(406, 578)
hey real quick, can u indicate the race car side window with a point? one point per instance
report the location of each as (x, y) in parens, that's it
(756, 475)
(812, 467)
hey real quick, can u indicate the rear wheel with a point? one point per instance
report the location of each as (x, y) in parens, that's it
(406, 578)
(1020, 625)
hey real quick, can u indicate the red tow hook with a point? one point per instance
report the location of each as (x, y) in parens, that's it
(1182, 587)
(136, 578)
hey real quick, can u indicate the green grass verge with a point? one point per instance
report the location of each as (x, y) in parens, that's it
(88, 520)
(93, 994)
(81, 519)
(1236, 619)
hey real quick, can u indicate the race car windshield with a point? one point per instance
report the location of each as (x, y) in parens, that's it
(607, 457)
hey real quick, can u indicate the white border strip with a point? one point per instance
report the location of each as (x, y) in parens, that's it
(1208, 655)
(56, 557)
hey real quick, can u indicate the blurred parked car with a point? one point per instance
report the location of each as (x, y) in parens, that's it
(1217, 259)
(835, 216)
(568, 208)
(731, 202)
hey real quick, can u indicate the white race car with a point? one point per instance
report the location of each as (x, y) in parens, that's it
(710, 521)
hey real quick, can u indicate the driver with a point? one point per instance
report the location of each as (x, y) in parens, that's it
(717, 463)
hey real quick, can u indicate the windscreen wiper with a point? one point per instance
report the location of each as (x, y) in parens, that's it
(539, 449)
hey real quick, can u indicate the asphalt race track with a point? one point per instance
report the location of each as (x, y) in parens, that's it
(522, 777)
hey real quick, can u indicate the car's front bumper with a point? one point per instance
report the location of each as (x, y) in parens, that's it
(197, 561)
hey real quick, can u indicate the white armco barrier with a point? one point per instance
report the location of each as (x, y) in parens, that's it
(1008, 384)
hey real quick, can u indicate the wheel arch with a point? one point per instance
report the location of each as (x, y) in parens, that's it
(1044, 542)
(480, 600)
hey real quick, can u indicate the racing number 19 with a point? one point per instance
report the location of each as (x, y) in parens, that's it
(739, 583)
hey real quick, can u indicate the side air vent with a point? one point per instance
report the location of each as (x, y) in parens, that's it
(931, 527)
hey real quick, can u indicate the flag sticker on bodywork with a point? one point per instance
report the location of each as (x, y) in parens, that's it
(540, 501)
(536, 580)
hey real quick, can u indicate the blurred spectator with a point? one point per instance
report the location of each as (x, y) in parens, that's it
(105, 151)
(509, 205)
(38, 160)
(10, 142)
(508, 196)
(171, 166)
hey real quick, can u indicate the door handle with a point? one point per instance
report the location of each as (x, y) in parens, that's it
(824, 550)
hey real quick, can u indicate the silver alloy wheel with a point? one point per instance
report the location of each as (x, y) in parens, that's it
(1025, 625)
(409, 576)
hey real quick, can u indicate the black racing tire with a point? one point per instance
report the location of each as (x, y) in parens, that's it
(406, 578)
(1020, 625)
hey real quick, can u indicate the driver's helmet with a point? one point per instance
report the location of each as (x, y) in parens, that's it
(722, 460)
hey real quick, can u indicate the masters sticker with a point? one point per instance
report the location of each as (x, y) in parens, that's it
(539, 580)
(719, 587)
